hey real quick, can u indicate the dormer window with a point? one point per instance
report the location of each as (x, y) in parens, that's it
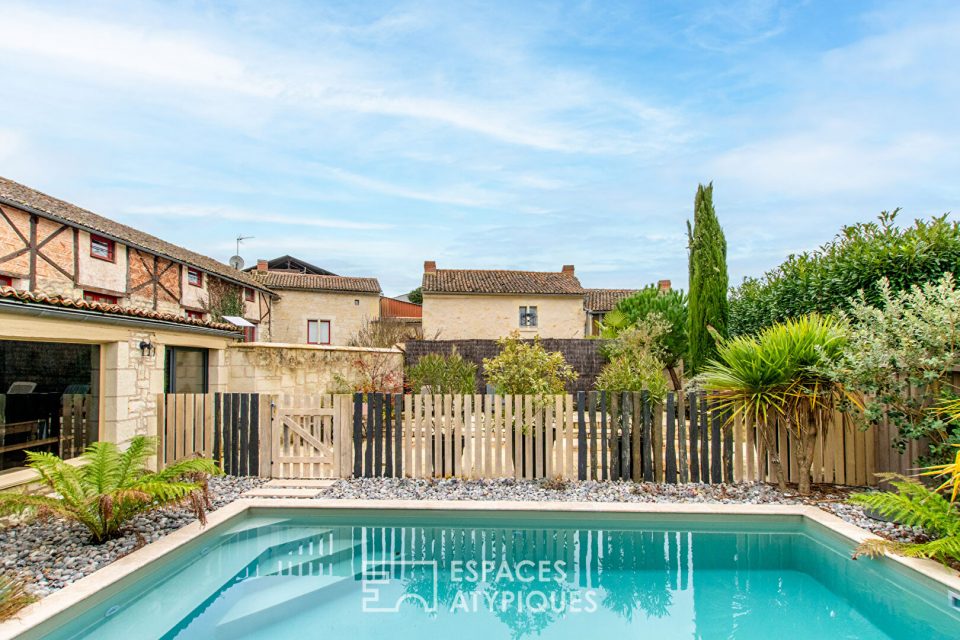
(194, 277)
(102, 248)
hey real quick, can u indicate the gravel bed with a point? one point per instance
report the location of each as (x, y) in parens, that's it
(50, 554)
(827, 497)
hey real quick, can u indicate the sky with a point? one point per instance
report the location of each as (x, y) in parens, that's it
(367, 137)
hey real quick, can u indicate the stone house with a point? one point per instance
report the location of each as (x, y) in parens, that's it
(316, 306)
(488, 304)
(98, 318)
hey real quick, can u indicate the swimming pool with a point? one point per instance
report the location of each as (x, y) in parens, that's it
(340, 573)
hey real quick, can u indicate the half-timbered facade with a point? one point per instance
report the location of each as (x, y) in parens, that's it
(57, 248)
(97, 319)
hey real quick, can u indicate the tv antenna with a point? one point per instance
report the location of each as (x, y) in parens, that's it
(236, 261)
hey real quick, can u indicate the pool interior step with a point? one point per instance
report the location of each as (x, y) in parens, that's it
(260, 602)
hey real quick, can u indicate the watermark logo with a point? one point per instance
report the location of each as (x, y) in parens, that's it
(377, 574)
(527, 586)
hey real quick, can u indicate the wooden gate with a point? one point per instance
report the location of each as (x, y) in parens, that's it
(311, 437)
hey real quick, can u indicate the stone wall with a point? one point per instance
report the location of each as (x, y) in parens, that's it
(583, 355)
(308, 369)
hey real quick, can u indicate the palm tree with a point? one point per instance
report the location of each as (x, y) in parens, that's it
(111, 486)
(780, 373)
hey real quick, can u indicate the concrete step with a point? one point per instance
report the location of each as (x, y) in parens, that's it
(281, 492)
(293, 483)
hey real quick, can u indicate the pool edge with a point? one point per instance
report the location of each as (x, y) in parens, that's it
(73, 594)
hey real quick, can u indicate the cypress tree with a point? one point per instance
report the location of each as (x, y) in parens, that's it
(708, 306)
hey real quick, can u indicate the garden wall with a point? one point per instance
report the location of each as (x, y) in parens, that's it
(581, 354)
(267, 367)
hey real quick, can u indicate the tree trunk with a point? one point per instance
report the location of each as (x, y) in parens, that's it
(763, 430)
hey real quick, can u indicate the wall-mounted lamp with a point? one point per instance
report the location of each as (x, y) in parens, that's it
(147, 348)
(356, 302)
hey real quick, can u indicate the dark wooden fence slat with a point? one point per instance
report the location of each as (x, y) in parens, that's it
(648, 451)
(615, 426)
(217, 429)
(670, 468)
(228, 435)
(388, 436)
(637, 453)
(626, 436)
(604, 448)
(592, 402)
(727, 448)
(704, 439)
(694, 437)
(357, 433)
(370, 461)
(716, 460)
(398, 436)
(581, 437)
(255, 434)
(243, 426)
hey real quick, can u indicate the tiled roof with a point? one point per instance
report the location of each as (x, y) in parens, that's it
(18, 195)
(501, 281)
(605, 299)
(311, 282)
(38, 297)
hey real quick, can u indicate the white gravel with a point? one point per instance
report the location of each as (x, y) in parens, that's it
(50, 554)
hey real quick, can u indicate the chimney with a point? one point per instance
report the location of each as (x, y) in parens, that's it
(567, 269)
(429, 266)
(663, 285)
(262, 265)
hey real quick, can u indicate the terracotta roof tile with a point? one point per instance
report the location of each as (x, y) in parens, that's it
(39, 297)
(501, 282)
(18, 195)
(311, 282)
(605, 299)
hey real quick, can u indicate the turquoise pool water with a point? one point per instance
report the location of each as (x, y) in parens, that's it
(504, 575)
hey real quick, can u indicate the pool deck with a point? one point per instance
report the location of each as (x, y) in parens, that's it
(75, 593)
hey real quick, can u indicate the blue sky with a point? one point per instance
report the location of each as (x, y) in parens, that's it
(368, 137)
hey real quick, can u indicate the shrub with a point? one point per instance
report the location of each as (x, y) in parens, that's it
(13, 597)
(636, 362)
(858, 258)
(525, 367)
(443, 374)
(669, 307)
(901, 353)
(111, 486)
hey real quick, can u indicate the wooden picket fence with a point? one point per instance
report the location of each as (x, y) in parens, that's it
(590, 436)
(222, 426)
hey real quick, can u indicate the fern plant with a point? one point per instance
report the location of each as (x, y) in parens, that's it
(914, 505)
(111, 486)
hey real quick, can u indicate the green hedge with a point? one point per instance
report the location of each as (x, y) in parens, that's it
(857, 258)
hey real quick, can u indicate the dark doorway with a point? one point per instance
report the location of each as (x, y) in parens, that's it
(49, 399)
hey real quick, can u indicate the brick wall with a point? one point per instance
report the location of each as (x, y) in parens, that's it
(581, 354)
